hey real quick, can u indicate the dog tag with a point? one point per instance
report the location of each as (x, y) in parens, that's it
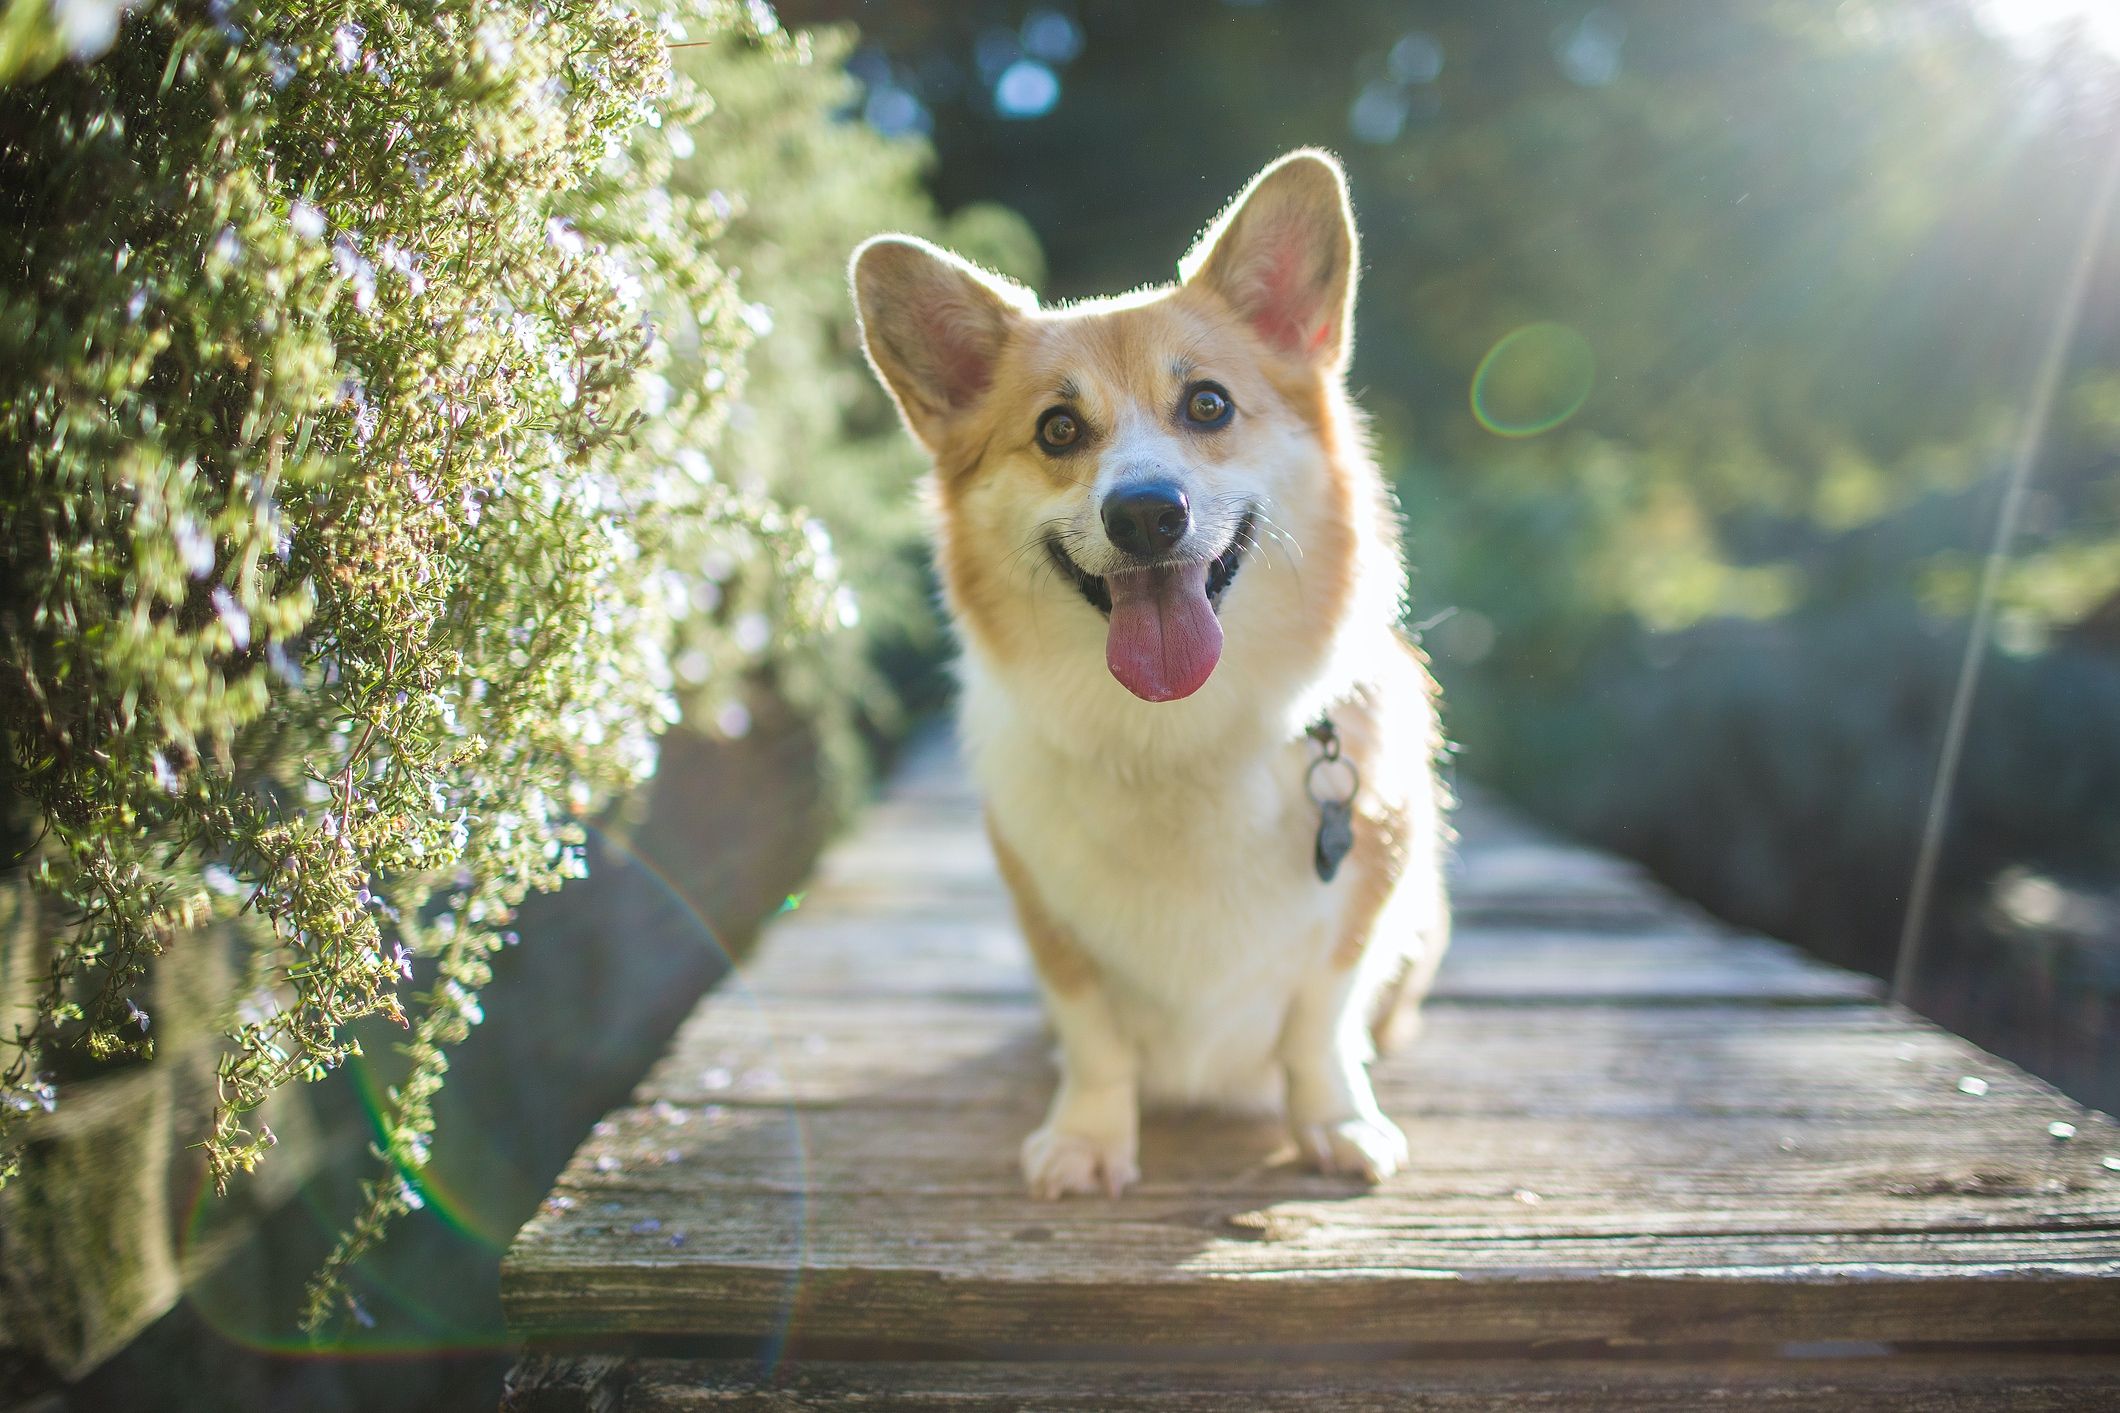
(1335, 816)
(1335, 836)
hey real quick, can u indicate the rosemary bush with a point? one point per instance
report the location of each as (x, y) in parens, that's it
(355, 362)
(806, 183)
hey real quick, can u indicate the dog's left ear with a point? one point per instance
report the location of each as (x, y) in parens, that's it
(1283, 256)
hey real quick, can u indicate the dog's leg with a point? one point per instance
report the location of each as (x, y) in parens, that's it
(1090, 1140)
(1325, 1050)
(1395, 1016)
(1325, 1043)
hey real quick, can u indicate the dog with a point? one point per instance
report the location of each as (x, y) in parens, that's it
(1207, 754)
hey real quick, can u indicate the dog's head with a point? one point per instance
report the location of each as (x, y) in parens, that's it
(1119, 462)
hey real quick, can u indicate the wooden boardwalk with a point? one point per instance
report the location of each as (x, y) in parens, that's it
(1655, 1164)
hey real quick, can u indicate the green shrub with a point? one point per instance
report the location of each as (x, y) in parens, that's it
(805, 185)
(1813, 248)
(35, 35)
(354, 362)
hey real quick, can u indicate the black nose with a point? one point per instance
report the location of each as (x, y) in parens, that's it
(1147, 519)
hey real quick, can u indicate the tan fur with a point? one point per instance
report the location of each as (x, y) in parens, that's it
(1061, 962)
(1377, 865)
(1373, 866)
(1110, 359)
(1159, 851)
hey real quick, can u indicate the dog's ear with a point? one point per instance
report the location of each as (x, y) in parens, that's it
(933, 326)
(1283, 256)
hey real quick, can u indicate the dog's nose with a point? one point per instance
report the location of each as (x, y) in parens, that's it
(1147, 519)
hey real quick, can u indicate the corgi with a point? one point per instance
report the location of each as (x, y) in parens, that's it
(1206, 753)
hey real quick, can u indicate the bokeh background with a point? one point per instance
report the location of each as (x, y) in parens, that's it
(1699, 341)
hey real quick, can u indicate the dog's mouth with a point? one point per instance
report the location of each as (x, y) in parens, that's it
(1221, 570)
(1166, 632)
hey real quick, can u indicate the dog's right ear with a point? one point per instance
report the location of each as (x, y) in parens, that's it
(933, 326)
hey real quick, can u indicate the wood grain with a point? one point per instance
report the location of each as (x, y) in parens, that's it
(1631, 1128)
(1429, 1386)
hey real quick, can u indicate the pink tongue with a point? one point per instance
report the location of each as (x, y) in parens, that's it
(1165, 639)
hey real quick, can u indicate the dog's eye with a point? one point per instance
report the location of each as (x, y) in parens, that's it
(1058, 430)
(1207, 405)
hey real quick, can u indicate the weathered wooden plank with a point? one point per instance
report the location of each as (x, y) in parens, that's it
(910, 905)
(1630, 1127)
(915, 897)
(773, 1302)
(1590, 1061)
(1861, 1245)
(1474, 1179)
(1428, 1386)
(1754, 1151)
(929, 846)
(834, 951)
(1401, 1274)
(920, 857)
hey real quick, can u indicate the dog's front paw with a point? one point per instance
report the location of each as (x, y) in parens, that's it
(1057, 1162)
(1371, 1149)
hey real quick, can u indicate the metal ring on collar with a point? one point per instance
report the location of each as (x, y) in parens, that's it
(1310, 778)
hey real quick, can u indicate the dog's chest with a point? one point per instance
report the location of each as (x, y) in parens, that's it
(1185, 886)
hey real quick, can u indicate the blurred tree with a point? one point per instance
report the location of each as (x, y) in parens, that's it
(1812, 248)
(803, 186)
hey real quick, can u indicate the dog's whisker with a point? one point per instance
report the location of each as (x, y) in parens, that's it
(1046, 532)
(1281, 537)
(1029, 546)
(1274, 528)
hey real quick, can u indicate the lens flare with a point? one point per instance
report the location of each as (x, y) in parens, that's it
(427, 1290)
(1534, 379)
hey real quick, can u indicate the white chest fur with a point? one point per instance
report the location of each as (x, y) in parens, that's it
(1189, 883)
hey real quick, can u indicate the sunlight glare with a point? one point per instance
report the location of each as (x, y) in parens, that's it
(2038, 25)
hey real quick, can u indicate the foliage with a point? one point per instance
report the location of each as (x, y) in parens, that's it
(803, 186)
(1814, 247)
(354, 361)
(1854, 778)
(37, 34)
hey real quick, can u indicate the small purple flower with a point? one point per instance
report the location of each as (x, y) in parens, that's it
(346, 48)
(234, 617)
